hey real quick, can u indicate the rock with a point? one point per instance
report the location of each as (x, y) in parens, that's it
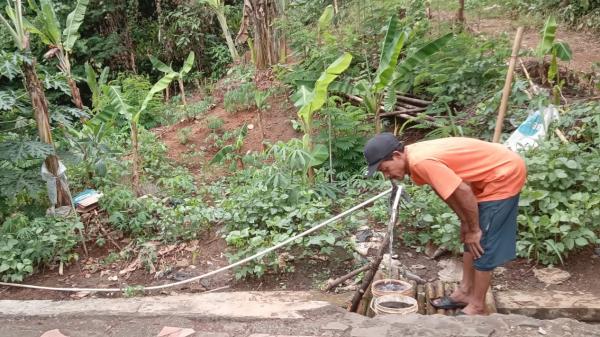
(499, 271)
(430, 249)
(335, 326)
(551, 275)
(364, 235)
(417, 267)
(183, 263)
(250, 126)
(113, 278)
(541, 331)
(451, 270)
(597, 251)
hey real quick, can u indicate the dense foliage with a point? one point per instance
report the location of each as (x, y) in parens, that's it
(340, 67)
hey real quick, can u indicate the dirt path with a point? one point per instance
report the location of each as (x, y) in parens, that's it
(585, 46)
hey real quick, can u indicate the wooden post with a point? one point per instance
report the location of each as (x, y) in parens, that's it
(368, 278)
(429, 296)
(421, 299)
(439, 293)
(507, 85)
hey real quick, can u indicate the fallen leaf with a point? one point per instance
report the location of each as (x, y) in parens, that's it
(169, 331)
(53, 333)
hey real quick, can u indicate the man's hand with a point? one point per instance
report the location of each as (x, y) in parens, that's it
(472, 240)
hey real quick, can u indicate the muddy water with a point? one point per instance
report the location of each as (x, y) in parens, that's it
(395, 305)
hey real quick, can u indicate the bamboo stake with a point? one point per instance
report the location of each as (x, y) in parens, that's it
(368, 278)
(507, 85)
(429, 296)
(421, 299)
(439, 293)
(337, 281)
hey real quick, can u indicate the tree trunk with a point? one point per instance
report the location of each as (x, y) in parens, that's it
(259, 14)
(460, 15)
(40, 111)
(181, 88)
(75, 96)
(136, 157)
(225, 29)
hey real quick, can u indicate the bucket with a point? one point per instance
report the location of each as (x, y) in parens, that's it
(391, 287)
(394, 304)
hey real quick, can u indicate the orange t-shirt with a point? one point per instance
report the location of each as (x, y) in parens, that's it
(493, 171)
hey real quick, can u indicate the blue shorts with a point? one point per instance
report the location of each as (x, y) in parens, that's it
(498, 223)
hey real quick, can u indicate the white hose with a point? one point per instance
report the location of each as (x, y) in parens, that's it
(233, 265)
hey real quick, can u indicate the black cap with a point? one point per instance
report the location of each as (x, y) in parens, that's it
(378, 148)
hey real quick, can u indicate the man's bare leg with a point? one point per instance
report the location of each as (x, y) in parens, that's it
(477, 299)
(464, 291)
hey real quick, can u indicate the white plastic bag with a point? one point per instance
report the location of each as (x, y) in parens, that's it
(533, 129)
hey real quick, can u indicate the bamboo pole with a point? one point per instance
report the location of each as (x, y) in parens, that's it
(421, 299)
(429, 296)
(439, 293)
(507, 85)
(368, 278)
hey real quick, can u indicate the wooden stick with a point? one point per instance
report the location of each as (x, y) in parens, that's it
(415, 101)
(337, 281)
(439, 293)
(561, 135)
(429, 296)
(507, 86)
(421, 299)
(405, 112)
(398, 113)
(368, 279)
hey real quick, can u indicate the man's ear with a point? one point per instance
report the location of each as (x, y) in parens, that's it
(397, 154)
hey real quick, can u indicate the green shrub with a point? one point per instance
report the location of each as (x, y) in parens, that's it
(214, 123)
(183, 135)
(240, 99)
(26, 244)
(560, 204)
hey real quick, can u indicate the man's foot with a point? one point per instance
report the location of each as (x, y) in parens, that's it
(447, 302)
(471, 310)
(459, 298)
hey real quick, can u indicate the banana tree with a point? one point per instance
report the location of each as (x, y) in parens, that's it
(310, 102)
(390, 73)
(17, 28)
(47, 26)
(178, 75)
(557, 50)
(117, 105)
(218, 7)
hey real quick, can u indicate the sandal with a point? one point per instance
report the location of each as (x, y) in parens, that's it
(447, 302)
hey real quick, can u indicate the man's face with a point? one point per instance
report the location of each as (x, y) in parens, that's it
(394, 168)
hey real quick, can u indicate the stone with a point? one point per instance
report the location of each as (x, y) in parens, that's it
(551, 275)
(451, 270)
(53, 333)
(337, 326)
(211, 334)
(370, 332)
(183, 263)
(499, 271)
(170, 331)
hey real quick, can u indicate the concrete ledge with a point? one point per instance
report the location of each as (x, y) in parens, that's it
(232, 305)
(550, 304)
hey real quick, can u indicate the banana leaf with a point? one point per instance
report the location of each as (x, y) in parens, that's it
(390, 51)
(563, 51)
(319, 94)
(422, 54)
(159, 86)
(326, 18)
(548, 37)
(160, 65)
(187, 66)
(74, 21)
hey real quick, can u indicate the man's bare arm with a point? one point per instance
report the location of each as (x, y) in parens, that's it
(464, 204)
